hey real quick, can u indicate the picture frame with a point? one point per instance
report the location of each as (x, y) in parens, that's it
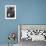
(10, 11)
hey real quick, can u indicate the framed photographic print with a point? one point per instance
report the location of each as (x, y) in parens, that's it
(10, 11)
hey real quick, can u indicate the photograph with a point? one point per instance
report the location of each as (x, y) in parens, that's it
(10, 11)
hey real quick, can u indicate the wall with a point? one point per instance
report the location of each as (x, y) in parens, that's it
(27, 12)
(6, 26)
(31, 11)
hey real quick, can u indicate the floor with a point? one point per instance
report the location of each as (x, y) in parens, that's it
(7, 45)
(30, 43)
